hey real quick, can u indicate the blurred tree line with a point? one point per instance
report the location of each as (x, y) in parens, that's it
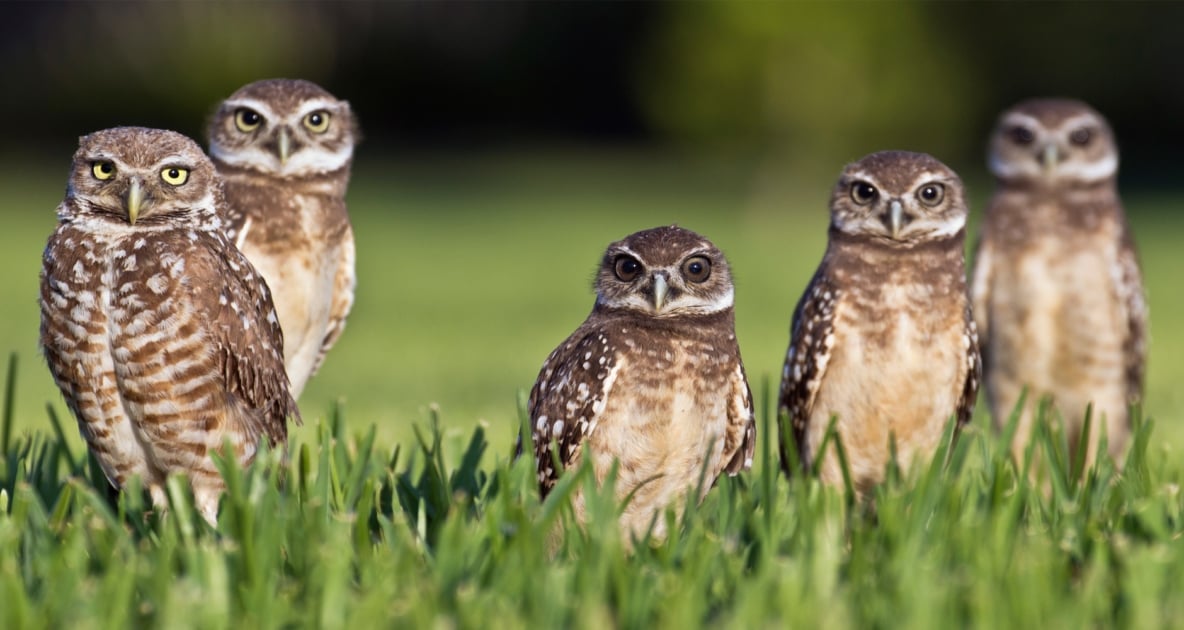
(810, 83)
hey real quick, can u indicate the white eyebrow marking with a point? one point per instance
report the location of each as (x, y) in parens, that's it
(1016, 118)
(929, 177)
(625, 250)
(257, 105)
(1079, 120)
(313, 105)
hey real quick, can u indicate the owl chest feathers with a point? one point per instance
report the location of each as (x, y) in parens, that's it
(275, 217)
(907, 312)
(117, 333)
(1058, 320)
(299, 238)
(668, 412)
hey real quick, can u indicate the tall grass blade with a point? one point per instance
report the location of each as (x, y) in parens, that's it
(9, 404)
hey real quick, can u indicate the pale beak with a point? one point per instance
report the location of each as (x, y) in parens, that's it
(660, 290)
(285, 145)
(1049, 157)
(896, 218)
(135, 197)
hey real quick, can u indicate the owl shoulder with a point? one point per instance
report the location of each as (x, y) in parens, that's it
(811, 333)
(570, 394)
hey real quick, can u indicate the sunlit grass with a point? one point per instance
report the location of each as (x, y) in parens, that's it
(343, 530)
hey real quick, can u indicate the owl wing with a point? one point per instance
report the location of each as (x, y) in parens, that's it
(1134, 302)
(806, 360)
(249, 341)
(980, 290)
(740, 439)
(567, 400)
(974, 370)
(344, 283)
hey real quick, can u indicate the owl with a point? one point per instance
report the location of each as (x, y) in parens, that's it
(1057, 289)
(883, 338)
(651, 381)
(284, 149)
(159, 333)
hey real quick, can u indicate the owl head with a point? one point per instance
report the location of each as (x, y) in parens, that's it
(664, 272)
(139, 177)
(1052, 142)
(283, 127)
(898, 198)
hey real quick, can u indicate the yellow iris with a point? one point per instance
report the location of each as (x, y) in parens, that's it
(247, 119)
(103, 170)
(174, 175)
(318, 121)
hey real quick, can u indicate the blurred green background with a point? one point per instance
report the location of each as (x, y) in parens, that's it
(506, 143)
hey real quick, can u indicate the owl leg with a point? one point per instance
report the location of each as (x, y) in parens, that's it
(160, 499)
(205, 496)
(1107, 416)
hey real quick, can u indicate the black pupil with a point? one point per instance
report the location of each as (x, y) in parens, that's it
(865, 191)
(250, 117)
(696, 268)
(1022, 135)
(628, 267)
(105, 168)
(315, 119)
(174, 173)
(1081, 136)
(929, 192)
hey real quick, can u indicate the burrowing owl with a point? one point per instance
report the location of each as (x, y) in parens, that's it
(159, 333)
(652, 379)
(284, 149)
(883, 337)
(1057, 289)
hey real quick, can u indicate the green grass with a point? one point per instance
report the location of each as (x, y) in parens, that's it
(470, 272)
(344, 532)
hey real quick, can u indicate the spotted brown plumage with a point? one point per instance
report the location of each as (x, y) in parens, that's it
(284, 148)
(160, 335)
(882, 338)
(652, 380)
(1057, 287)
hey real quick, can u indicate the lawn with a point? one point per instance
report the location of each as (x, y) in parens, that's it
(470, 270)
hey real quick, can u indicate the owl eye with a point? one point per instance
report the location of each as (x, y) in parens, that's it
(1021, 135)
(1081, 137)
(697, 269)
(626, 268)
(931, 194)
(318, 121)
(175, 175)
(103, 170)
(247, 119)
(863, 193)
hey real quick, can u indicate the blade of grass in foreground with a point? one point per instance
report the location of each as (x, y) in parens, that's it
(339, 532)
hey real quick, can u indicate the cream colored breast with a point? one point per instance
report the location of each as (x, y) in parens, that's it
(300, 276)
(662, 421)
(1054, 311)
(897, 369)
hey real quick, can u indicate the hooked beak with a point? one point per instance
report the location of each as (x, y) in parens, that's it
(135, 198)
(1049, 157)
(660, 290)
(896, 218)
(285, 145)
